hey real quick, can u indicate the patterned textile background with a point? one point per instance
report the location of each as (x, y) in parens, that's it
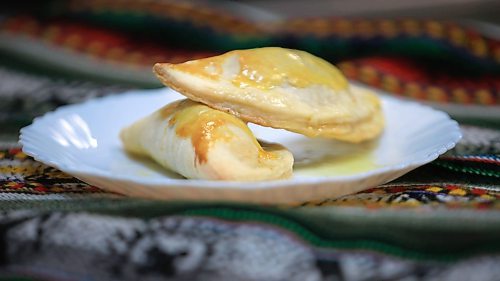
(438, 222)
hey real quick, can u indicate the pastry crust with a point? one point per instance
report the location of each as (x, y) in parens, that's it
(279, 88)
(199, 142)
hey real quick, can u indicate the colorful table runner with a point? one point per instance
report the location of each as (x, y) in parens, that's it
(438, 222)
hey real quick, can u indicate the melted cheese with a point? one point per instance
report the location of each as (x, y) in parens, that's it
(267, 68)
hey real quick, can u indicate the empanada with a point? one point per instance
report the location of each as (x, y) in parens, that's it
(279, 88)
(199, 142)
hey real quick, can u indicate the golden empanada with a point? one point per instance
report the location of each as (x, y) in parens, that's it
(199, 142)
(279, 88)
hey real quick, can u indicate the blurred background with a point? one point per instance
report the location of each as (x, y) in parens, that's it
(442, 52)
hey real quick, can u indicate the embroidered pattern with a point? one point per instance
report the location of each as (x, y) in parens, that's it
(20, 174)
(414, 196)
(405, 77)
(469, 75)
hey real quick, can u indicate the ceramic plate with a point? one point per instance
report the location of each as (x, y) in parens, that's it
(82, 140)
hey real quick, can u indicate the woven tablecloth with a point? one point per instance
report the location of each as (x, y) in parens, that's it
(438, 222)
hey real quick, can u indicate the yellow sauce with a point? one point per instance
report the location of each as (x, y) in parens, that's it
(266, 68)
(340, 165)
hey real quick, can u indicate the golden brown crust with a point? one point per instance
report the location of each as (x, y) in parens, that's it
(362, 129)
(201, 143)
(168, 80)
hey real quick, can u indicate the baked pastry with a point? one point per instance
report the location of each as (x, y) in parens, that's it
(279, 88)
(199, 142)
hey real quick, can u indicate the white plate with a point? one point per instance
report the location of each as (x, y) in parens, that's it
(82, 140)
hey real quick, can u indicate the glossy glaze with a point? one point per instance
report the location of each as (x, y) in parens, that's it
(266, 68)
(205, 126)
